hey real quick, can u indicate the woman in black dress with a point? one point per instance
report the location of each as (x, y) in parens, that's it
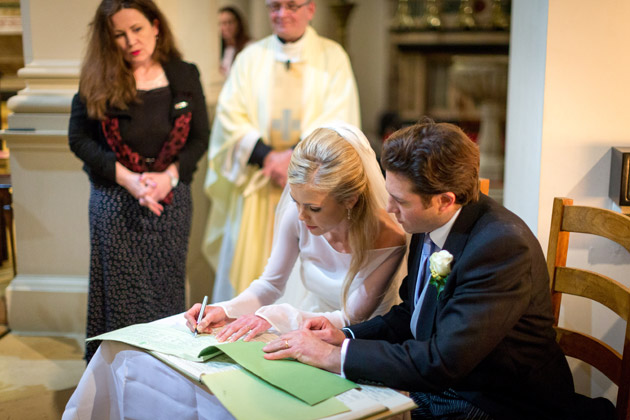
(139, 124)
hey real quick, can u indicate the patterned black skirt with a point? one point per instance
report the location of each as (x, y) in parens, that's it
(138, 260)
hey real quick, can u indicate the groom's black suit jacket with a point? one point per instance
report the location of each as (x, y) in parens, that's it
(488, 336)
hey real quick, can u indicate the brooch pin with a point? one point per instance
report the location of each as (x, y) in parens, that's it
(181, 105)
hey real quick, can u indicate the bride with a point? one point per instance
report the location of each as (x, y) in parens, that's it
(332, 217)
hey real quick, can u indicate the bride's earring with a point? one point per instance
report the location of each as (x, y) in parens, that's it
(349, 214)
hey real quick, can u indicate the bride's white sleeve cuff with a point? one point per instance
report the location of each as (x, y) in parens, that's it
(282, 317)
(243, 304)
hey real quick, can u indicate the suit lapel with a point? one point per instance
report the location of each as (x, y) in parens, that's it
(455, 244)
(458, 236)
(181, 101)
(426, 319)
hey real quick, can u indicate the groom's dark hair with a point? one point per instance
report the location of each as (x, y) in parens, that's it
(436, 158)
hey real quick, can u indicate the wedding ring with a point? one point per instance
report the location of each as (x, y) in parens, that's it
(286, 343)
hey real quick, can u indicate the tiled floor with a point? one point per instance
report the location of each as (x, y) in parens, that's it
(38, 376)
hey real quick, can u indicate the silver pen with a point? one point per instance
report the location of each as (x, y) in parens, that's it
(203, 309)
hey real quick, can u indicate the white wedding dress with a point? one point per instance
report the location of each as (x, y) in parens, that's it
(322, 271)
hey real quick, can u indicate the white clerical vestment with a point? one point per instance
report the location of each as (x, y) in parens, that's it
(244, 115)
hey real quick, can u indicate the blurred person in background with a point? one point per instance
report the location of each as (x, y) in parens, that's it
(234, 36)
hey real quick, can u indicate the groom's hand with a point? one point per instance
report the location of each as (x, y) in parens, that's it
(323, 329)
(302, 345)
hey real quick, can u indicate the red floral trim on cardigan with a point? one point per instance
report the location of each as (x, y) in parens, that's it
(137, 163)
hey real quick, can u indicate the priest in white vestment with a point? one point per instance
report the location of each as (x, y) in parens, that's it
(279, 90)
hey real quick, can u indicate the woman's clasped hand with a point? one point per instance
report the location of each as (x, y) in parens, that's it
(149, 188)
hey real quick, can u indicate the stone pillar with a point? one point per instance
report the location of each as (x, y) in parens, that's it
(11, 60)
(50, 191)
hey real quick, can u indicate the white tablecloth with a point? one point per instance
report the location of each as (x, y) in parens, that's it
(123, 382)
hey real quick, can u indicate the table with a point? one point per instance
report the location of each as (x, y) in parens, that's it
(122, 381)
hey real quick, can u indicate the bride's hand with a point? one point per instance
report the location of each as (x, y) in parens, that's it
(213, 317)
(247, 325)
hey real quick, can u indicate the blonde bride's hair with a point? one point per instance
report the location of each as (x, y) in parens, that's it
(328, 163)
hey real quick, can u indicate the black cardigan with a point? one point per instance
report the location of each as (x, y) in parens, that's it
(88, 142)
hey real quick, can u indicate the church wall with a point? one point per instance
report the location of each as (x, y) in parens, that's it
(368, 43)
(584, 91)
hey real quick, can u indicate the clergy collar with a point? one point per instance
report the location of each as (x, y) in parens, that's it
(439, 235)
(290, 51)
(287, 42)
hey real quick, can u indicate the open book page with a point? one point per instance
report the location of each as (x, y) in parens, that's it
(169, 336)
(388, 397)
(359, 404)
(194, 370)
(373, 402)
(166, 339)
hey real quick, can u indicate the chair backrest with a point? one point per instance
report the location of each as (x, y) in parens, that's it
(484, 185)
(567, 218)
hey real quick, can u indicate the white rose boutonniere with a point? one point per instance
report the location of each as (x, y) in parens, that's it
(440, 266)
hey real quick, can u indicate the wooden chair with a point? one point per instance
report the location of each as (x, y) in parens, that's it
(484, 185)
(568, 218)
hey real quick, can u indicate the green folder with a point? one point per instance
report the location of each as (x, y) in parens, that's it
(247, 397)
(308, 383)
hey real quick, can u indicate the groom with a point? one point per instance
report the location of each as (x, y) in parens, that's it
(477, 342)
